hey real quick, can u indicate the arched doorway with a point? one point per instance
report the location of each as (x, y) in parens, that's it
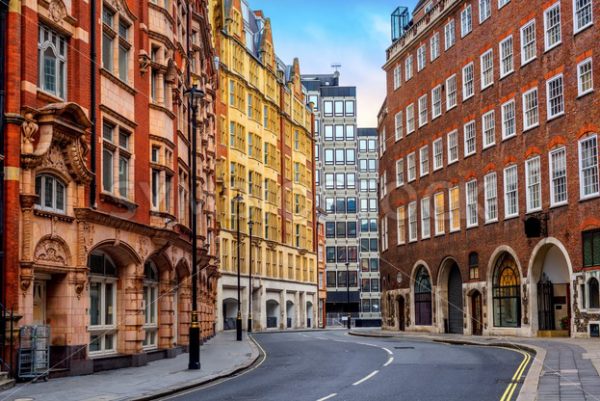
(272, 314)
(551, 292)
(230, 311)
(455, 301)
(401, 319)
(309, 313)
(422, 298)
(289, 307)
(476, 315)
(506, 292)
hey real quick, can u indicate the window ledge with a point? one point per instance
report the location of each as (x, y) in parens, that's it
(52, 215)
(117, 81)
(584, 94)
(527, 129)
(554, 117)
(118, 201)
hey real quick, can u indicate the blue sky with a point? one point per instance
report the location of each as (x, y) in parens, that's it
(354, 33)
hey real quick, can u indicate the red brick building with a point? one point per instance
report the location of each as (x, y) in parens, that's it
(97, 179)
(490, 207)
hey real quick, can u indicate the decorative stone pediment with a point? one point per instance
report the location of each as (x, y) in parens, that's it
(55, 136)
(52, 251)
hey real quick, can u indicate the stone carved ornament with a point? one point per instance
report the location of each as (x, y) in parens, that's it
(57, 10)
(51, 251)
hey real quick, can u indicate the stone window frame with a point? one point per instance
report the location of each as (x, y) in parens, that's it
(60, 62)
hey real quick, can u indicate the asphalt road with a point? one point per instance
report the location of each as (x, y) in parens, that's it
(330, 365)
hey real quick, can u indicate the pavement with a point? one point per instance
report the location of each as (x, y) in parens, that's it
(564, 369)
(221, 356)
(331, 365)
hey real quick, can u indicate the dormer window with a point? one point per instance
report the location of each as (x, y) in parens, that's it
(51, 193)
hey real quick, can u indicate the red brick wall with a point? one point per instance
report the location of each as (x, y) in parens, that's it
(581, 115)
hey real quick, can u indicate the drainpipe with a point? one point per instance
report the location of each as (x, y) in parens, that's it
(3, 33)
(93, 68)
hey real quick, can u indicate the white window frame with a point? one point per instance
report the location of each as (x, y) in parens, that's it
(502, 3)
(436, 102)
(466, 25)
(547, 45)
(452, 134)
(423, 112)
(434, 46)
(454, 225)
(399, 172)
(580, 90)
(533, 43)
(595, 167)
(408, 67)
(425, 218)
(468, 84)
(467, 139)
(423, 161)
(485, 10)
(507, 60)
(397, 76)
(58, 185)
(438, 154)
(533, 185)
(471, 203)
(451, 95)
(54, 43)
(399, 125)
(487, 69)
(490, 184)
(421, 57)
(449, 34)
(410, 119)
(486, 128)
(576, 27)
(527, 125)
(412, 222)
(401, 225)
(554, 178)
(550, 114)
(439, 214)
(510, 103)
(411, 167)
(509, 170)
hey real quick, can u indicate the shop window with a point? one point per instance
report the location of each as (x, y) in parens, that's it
(103, 304)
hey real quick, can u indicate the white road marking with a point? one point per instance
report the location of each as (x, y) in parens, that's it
(328, 397)
(364, 379)
(389, 361)
(387, 350)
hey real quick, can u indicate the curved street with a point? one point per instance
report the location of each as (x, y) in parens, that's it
(331, 365)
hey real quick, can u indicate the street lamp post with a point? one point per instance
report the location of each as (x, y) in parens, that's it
(250, 225)
(348, 293)
(238, 320)
(195, 95)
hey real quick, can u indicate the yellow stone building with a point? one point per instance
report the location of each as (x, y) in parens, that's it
(265, 155)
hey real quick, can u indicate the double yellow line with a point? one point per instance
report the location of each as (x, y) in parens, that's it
(508, 393)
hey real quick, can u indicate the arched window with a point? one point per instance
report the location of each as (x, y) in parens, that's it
(103, 304)
(506, 293)
(594, 294)
(422, 298)
(52, 59)
(473, 266)
(51, 193)
(150, 304)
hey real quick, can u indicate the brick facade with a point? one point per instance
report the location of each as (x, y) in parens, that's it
(109, 274)
(553, 255)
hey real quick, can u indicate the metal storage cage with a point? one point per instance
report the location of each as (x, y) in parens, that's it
(34, 353)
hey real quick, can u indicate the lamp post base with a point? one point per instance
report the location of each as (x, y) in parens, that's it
(194, 363)
(249, 325)
(238, 328)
